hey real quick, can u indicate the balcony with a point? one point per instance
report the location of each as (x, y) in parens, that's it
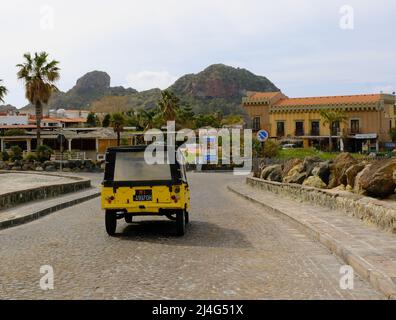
(315, 133)
(299, 133)
(353, 131)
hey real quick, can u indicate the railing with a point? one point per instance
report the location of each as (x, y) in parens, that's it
(315, 133)
(73, 155)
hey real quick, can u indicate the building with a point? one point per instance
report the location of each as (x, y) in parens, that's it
(369, 119)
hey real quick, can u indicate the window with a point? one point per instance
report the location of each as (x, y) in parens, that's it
(315, 128)
(256, 124)
(299, 128)
(335, 128)
(280, 129)
(131, 166)
(355, 126)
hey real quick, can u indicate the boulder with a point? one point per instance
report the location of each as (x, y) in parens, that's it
(310, 163)
(297, 178)
(315, 181)
(290, 164)
(39, 168)
(352, 172)
(357, 188)
(3, 165)
(377, 180)
(293, 171)
(341, 164)
(50, 168)
(322, 170)
(268, 170)
(16, 168)
(276, 174)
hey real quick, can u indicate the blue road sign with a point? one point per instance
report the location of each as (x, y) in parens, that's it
(262, 135)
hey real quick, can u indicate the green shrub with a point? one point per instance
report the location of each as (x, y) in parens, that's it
(14, 132)
(4, 156)
(16, 153)
(31, 157)
(43, 153)
(271, 149)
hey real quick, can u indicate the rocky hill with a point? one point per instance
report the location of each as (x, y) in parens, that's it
(8, 107)
(218, 88)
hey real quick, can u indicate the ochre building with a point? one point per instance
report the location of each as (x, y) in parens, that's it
(297, 120)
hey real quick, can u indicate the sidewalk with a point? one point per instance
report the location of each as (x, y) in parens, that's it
(36, 209)
(370, 252)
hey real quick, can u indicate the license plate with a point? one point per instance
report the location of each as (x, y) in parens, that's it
(143, 195)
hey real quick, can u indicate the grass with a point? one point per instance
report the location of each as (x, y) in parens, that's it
(303, 153)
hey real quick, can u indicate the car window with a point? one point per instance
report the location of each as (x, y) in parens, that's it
(131, 166)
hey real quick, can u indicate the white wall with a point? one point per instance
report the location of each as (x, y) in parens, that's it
(13, 120)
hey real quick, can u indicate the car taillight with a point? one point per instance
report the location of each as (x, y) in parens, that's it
(175, 198)
(110, 199)
(177, 189)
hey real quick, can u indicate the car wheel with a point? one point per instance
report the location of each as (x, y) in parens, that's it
(128, 218)
(187, 217)
(111, 222)
(180, 223)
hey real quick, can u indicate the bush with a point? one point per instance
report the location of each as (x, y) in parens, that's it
(43, 153)
(16, 153)
(271, 149)
(31, 157)
(14, 132)
(4, 156)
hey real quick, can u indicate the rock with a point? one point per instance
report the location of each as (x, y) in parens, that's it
(16, 168)
(309, 163)
(352, 172)
(315, 181)
(66, 170)
(377, 180)
(39, 168)
(293, 171)
(341, 163)
(268, 170)
(28, 167)
(322, 170)
(50, 168)
(276, 174)
(290, 164)
(297, 178)
(3, 165)
(357, 188)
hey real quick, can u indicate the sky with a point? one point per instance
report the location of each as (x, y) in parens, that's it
(306, 47)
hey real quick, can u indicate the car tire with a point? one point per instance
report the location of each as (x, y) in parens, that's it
(180, 223)
(187, 217)
(111, 222)
(128, 218)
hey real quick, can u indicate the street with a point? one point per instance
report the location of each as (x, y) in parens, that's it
(232, 250)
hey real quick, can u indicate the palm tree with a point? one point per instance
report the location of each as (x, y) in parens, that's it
(330, 117)
(169, 105)
(3, 92)
(118, 122)
(147, 119)
(39, 76)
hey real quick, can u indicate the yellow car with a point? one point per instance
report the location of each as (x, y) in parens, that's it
(133, 187)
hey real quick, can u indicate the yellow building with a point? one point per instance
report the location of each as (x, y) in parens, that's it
(298, 120)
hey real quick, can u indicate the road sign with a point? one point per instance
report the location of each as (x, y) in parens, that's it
(262, 135)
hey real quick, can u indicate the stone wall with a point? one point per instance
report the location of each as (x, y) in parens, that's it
(12, 199)
(375, 212)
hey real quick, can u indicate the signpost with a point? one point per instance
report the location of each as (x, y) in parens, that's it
(61, 139)
(262, 136)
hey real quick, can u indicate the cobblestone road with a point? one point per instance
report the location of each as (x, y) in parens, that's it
(232, 250)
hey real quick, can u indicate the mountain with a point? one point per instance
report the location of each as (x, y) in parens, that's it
(8, 107)
(89, 88)
(218, 88)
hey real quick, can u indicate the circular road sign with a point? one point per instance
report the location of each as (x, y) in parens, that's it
(262, 135)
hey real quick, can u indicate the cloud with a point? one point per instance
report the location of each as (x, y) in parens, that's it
(145, 80)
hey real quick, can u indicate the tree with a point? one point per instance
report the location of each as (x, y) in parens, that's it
(92, 120)
(3, 91)
(185, 116)
(39, 77)
(392, 133)
(169, 105)
(117, 122)
(207, 120)
(106, 120)
(329, 118)
(148, 119)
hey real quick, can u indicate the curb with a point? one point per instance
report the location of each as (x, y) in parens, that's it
(41, 213)
(378, 280)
